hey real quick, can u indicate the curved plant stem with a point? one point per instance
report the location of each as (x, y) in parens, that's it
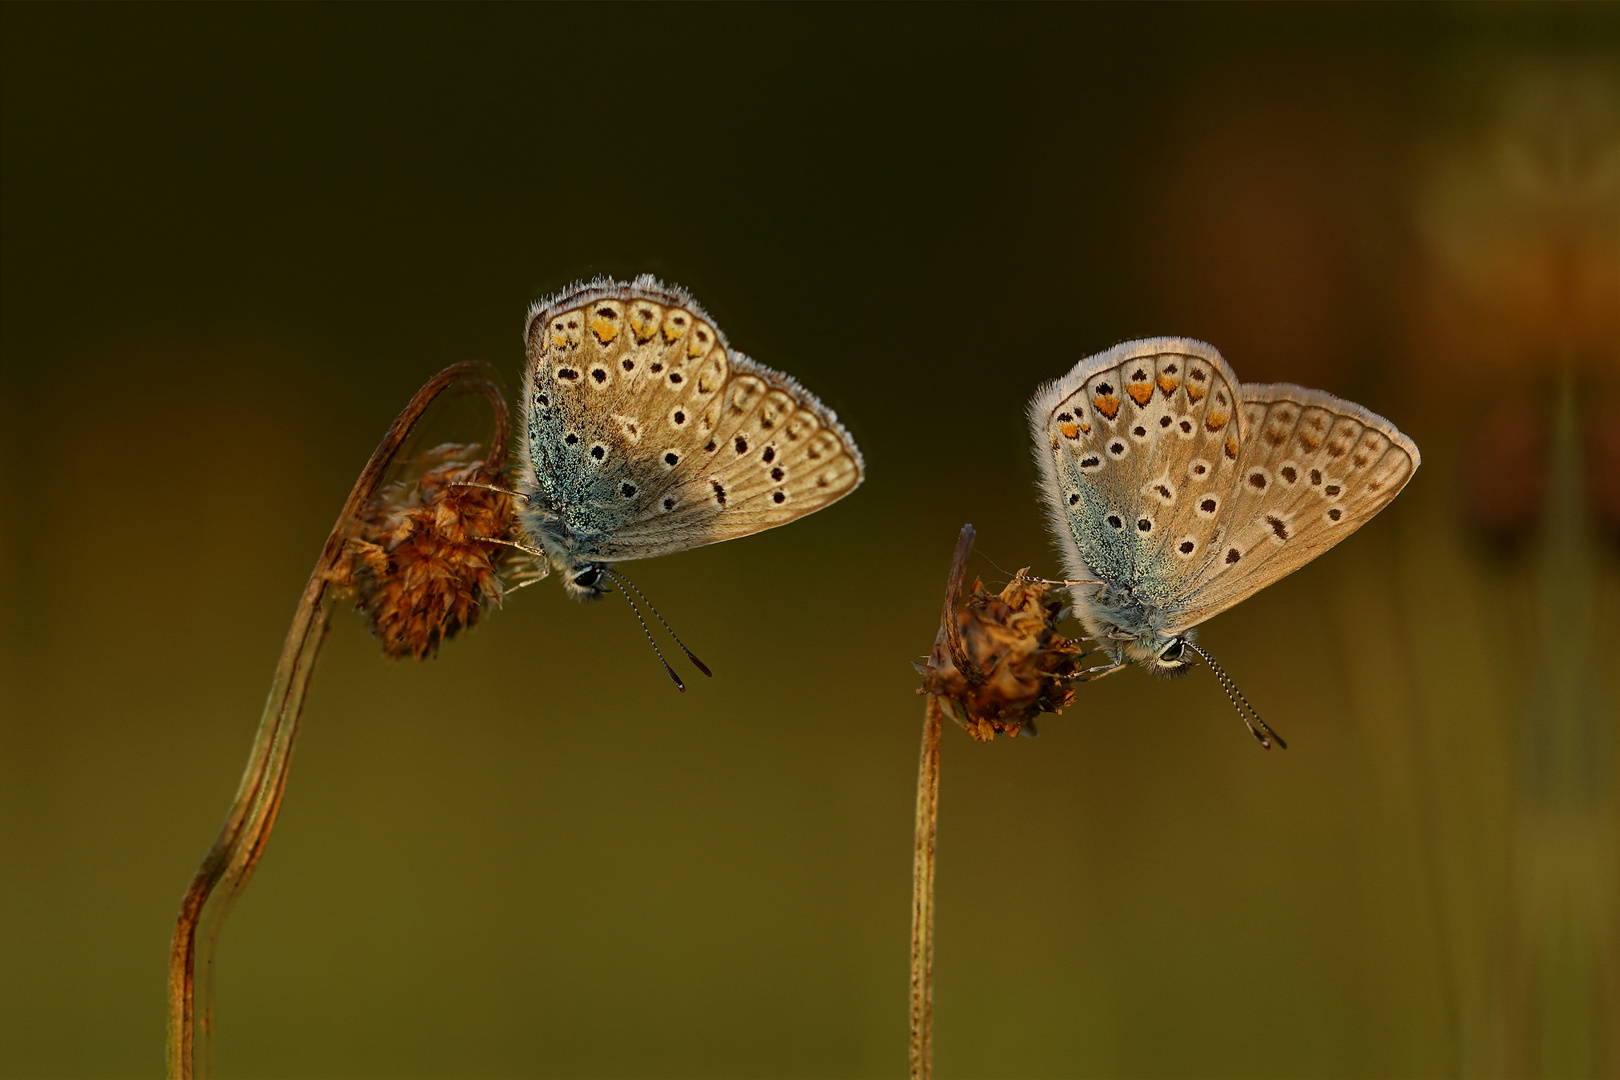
(242, 838)
(922, 897)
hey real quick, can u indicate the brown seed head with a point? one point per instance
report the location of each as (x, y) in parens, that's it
(1006, 662)
(421, 563)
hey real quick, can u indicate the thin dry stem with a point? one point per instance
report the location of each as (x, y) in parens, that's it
(246, 830)
(922, 897)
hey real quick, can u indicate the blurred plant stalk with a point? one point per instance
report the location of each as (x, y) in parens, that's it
(349, 557)
(1494, 715)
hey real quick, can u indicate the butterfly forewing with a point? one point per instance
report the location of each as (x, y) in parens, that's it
(1313, 469)
(1139, 447)
(648, 435)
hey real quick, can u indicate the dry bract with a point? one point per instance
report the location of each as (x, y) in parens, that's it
(421, 563)
(1012, 664)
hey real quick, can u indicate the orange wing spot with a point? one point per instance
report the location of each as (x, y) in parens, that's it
(1085, 427)
(643, 327)
(1168, 384)
(1310, 440)
(1231, 448)
(1141, 393)
(1069, 431)
(1216, 420)
(1107, 404)
(1196, 391)
(604, 330)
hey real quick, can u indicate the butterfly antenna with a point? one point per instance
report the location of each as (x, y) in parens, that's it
(1257, 727)
(690, 655)
(660, 653)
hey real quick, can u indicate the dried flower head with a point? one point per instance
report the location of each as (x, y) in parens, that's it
(998, 660)
(421, 562)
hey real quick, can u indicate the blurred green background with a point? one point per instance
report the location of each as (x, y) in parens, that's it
(236, 239)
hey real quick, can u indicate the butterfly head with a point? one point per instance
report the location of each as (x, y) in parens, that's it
(586, 581)
(1173, 659)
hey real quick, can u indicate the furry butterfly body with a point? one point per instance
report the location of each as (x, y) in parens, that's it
(1175, 491)
(645, 434)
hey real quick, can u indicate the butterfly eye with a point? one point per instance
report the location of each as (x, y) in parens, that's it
(1172, 652)
(588, 577)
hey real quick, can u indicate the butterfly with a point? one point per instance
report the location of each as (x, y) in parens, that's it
(1175, 492)
(644, 433)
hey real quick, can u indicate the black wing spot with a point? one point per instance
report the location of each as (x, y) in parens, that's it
(1331, 489)
(598, 452)
(672, 458)
(1116, 448)
(1144, 525)
(607, 313)
(710, 448)
(1065, 418)
(1104, 389)
(777, 473)
(1316, 477)
(1073, 499)
(1186, 427)
(567, 373)
(669, 503)
(628, 490)
(719, 492)
(679, 417)
(1138, 375)
(599, 375)
(542, 400)
(1277, 527)
(655, 367)
(1186, 547)
(1233, 555)
(629, 365)
(674, 377)
(1335, 514)
(1207, 506)
(769, 455)
(701, 336)
(1091, 462)
(1113, 519)
(1289, 473)
(1257, 480)
(741, 444)
(1139, 431)
(570, 438)
(1164, 421)
(778, 497)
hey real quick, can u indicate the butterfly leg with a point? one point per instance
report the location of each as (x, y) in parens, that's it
(489, 487)
(536, 552)
(1092, 674)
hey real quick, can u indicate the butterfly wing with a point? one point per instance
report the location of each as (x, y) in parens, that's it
(1138, 447)
(1313, 470)
(647, 434)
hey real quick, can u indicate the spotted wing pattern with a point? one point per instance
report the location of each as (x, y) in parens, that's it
(1138, 447)
(647, 434)
(1313, 469)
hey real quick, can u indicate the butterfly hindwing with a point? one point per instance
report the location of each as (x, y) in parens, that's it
(1138, 447)
(1313, 469)
(648, 435)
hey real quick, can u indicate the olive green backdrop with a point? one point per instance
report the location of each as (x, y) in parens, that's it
(236, 239)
